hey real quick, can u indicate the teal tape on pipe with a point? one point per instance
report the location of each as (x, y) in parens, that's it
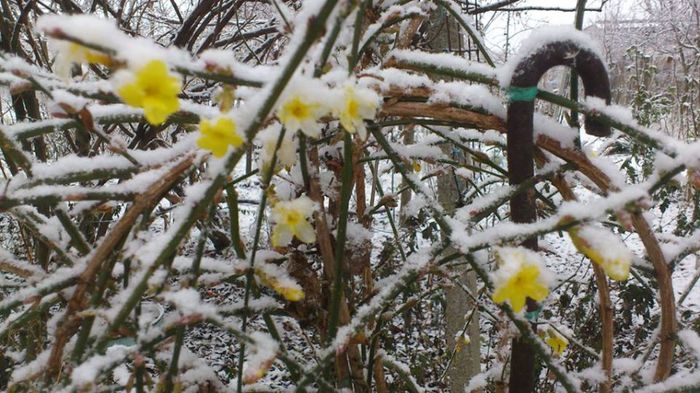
(516, 93)
(532, 315)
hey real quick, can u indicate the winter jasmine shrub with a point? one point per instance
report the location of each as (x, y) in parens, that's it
(313, 198)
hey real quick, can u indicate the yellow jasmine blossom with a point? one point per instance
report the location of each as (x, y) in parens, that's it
(416, 166)
(276, 278)
(252, 376)
(70, 53)
(154, 89)
(356, 106)
(217, 136)
(555, 340)
(461, 340)
(519, 277)
(302, 107)
(603, 248)
(287, 152)
(82, 54)
(263, 353)
(290, 218)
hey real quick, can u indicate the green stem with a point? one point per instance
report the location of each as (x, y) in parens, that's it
(77, 239)
(401, 167)
(250, 273)
(15, 154)
(181, 330)
(234, 229)
(573, 78)
(330, 41)
(357, 35)
(34, 221)
(345, 193)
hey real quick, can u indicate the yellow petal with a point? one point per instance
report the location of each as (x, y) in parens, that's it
(500, 295)
(218, 136)
(211, 144)
(154, 70)
(305, 232)
(281, 235)
(155, 90)
(537, 292)
(517, 301)
(156, 111)
(98, 58)
(292, 294)
(131, 94)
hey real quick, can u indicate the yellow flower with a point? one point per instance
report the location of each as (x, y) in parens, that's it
(252, 376)
(603, 248)
(287, 152)
(218, 136)
(154, 89)
(262, 354)
(70, 53)
(290, 219)
(357, 105)
(301, 108)
(273, 277)
(555, 340)
(519, 277)
(461, 340)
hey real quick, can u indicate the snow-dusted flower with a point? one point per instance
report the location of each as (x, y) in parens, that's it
(302, 107)
(70, 53)
(520, 275)
(694, 178)
(603, 248)
(461, 340)
(152, 88)
(277, 278)
(356, 105)
(217, 135)
(264, 352)
(287, 152)
(555, 340)
(290, 218)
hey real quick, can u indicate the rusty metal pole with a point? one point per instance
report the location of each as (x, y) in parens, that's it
(522, 92)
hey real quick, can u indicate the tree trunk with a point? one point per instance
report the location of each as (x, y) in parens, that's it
(443, 35)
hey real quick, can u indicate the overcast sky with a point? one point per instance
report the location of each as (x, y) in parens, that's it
(520, 26)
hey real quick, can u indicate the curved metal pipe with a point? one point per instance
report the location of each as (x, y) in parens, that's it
(521, 109)
(523, 89)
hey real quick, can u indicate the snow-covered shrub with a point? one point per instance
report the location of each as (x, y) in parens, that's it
(182, 215)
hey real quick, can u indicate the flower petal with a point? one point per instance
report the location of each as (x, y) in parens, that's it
(281, 235)
(305, 232)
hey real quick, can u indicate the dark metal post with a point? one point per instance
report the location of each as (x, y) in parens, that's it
(523, 89)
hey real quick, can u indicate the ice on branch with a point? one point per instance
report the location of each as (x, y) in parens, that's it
(603, 248)
(290, 218)
(216, 135)
(520, 275)
(354, 106)
(152, 87)
(302, 107)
